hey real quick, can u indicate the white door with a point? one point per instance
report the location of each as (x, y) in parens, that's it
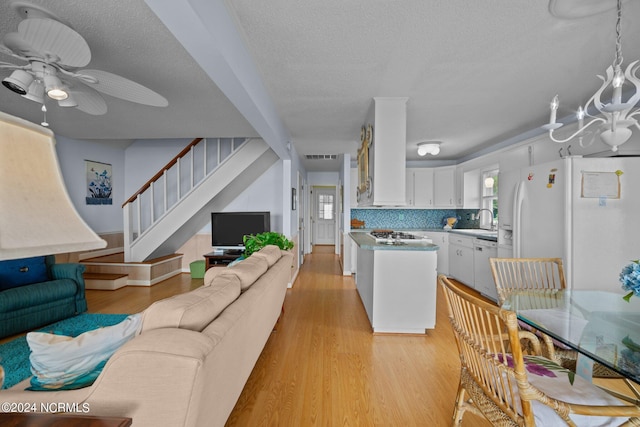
(324, 215)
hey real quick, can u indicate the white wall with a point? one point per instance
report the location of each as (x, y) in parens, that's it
(322, 178)
(71, 156)
(265, 194)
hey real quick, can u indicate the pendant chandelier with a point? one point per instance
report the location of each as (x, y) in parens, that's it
(614, 119)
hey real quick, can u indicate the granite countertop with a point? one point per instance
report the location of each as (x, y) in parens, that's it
(365, 241)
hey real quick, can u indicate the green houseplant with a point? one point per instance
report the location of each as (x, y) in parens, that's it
(253, 243)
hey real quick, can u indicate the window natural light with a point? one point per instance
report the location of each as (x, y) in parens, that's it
(489, 184)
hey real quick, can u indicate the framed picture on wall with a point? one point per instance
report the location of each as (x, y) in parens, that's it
(99, 187)
(294, 199)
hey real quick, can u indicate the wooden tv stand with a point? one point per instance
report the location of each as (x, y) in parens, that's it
(215, 259)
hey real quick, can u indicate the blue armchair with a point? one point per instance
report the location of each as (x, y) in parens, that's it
(35, 292)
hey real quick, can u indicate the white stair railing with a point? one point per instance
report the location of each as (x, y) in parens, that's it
(173, 183)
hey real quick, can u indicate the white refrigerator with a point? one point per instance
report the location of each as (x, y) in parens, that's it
(583, 210)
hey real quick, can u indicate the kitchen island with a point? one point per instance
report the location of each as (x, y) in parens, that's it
(397, 284)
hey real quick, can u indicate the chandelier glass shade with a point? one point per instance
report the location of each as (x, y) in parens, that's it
(612, 121)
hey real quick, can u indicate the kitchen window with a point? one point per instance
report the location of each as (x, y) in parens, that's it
(489, 198)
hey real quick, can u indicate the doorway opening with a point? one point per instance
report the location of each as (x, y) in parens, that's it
(323, 215)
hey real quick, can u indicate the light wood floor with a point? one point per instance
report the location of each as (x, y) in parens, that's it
(323, 366)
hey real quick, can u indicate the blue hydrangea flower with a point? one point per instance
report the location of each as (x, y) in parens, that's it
(630, 279)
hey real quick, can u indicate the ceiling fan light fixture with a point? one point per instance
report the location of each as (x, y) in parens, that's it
(54, 88)
(425, 148)
(18, 82)
(35, 92)
(54, 52)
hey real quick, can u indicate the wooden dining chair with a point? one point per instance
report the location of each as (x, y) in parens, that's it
(517, 274)
(508, 388)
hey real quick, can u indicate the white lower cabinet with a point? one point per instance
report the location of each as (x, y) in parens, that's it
(469, 263)
(441, 238)
(461, 258)
(398, 289)
(350, 256)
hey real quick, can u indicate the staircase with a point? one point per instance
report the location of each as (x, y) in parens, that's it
(174, 205)
(111, 272)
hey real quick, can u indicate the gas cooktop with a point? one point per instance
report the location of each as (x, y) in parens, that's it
(394, 237)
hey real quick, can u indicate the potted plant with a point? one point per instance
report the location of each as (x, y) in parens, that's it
(253, 243)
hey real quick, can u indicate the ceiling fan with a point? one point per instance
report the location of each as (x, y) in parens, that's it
(53, 55)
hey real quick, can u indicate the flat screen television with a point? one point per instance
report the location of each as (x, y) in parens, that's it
(229, 228)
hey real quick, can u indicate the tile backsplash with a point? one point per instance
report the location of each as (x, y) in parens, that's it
(399, 219)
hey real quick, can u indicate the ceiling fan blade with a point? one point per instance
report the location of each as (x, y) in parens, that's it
(17, 45)
(9, 66)
(120, 87)
(89, 100)
(51, 39)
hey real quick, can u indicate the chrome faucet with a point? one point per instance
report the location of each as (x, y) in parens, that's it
(491, 212)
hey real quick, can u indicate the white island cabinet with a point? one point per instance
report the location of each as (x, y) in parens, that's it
(397, 285)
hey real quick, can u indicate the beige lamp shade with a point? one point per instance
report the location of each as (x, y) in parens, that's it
(37, 216)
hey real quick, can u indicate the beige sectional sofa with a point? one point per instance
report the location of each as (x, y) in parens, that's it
(194, 354)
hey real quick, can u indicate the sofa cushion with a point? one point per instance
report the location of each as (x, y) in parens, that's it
(271, 253)
(248, 271)
(19, 272)
(210, 274)
(60, 362)
(37, 294)
(192, 310)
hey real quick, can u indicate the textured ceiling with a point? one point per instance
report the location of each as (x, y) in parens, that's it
(476, 73)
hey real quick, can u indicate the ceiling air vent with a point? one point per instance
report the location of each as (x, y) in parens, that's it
(322, 156)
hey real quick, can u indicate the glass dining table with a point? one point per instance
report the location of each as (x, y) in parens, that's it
(600, 325)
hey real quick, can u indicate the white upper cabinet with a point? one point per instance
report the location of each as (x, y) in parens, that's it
(444, 187)
(422, 187)
(409, 184)
(431, 187)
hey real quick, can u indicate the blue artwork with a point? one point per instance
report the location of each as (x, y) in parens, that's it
(98, 183)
